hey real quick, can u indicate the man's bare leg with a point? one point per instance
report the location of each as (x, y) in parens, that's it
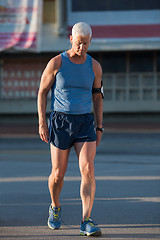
(86, 153)
(59, 166)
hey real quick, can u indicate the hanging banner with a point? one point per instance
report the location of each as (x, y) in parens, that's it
(20, 23)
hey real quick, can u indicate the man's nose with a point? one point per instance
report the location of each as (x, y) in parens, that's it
(82, 46)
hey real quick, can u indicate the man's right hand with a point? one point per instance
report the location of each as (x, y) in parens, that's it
(43, 132)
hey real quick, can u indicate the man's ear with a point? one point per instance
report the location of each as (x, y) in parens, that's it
(71, 39)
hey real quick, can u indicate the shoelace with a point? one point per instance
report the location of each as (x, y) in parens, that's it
(90, 222)
(55, 216)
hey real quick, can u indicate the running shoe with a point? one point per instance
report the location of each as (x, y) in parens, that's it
(54, 220)
(88, 228)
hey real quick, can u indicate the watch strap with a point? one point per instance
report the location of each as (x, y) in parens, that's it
(99, 129)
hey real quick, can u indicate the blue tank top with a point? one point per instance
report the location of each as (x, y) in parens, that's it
(72, 89)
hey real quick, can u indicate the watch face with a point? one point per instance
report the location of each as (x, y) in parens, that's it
(102, 129)
(102, 91)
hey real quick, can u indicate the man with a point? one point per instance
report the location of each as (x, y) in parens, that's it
(75, 80)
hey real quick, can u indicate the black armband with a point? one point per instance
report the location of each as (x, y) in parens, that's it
(98, 90)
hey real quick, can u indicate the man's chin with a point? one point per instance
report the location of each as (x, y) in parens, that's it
(81, 53)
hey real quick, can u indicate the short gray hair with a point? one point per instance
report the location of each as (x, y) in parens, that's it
(82, 29)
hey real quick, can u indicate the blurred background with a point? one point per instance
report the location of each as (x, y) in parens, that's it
(126, 41)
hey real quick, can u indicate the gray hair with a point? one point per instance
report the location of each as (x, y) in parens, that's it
(82, 29)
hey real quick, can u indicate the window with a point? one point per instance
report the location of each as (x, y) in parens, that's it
(114, 63)
(114, 5)
(49, 11)
(141, 62)
(96, 56)
(134, 95)
(158, 61)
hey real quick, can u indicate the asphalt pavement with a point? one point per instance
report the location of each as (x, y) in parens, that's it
(127, 200)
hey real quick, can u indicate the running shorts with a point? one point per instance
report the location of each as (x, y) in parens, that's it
(67, 129)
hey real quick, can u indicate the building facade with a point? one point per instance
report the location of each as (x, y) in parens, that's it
(126, 41)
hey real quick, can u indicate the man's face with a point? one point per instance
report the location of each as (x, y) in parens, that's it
(80, 44)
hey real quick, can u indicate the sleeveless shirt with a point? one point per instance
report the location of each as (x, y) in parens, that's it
(72, 89)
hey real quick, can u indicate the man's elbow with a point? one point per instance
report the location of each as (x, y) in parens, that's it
(42, 92)
(97, 97)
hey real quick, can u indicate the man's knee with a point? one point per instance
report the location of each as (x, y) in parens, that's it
(87, 170)
(57, 176)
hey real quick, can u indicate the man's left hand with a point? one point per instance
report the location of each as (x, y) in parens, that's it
(99, 136)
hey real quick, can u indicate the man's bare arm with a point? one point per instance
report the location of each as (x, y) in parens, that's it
(97, 99)
(47, 80)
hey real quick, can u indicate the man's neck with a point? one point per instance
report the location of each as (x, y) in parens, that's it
(75, 58)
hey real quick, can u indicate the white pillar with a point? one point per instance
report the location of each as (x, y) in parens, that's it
(59, 17)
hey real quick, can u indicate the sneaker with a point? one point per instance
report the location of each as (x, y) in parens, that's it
(88, 228)
(54, 221)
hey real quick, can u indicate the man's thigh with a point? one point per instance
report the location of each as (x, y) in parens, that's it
(59, 158)
(86, 152)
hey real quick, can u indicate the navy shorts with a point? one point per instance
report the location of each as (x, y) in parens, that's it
(67, 129)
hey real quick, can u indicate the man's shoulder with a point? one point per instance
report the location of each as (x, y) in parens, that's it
(55, 62)
(96, 66)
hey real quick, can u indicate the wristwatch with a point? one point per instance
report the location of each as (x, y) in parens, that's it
(100, 129)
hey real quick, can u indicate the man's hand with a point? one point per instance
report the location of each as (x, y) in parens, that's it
(44, 132)
(99, 136)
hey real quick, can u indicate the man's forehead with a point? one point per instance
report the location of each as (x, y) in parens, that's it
(81, 37)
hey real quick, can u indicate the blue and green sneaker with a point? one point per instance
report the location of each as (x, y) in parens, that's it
(88, 228)
(54, 220)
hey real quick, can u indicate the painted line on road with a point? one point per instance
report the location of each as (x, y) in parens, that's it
(78, 178)
(75, 201)
(132, 199)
